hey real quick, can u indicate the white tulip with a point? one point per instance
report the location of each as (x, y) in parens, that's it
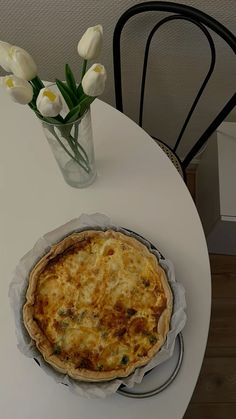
(21, 63)
(20, 90)
(49, 103)
(90, 45)
(4, 56)
(94, 80)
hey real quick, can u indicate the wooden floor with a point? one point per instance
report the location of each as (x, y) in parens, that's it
(215, 394)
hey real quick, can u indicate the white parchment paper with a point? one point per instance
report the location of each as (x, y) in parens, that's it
(26, 345)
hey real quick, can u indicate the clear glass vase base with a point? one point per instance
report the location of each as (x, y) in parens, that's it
(76, 176)
(72, 146)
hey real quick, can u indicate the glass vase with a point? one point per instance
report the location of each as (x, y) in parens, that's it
(72, 146)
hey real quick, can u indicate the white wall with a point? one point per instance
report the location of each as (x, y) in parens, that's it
(51, 29)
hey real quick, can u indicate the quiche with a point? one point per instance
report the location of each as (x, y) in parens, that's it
(98, 305)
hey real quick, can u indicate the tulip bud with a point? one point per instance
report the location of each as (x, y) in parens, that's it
(21, 63)
(94, 80)
(20, 90)
(90, 45)
(49, 103)
(4, 57)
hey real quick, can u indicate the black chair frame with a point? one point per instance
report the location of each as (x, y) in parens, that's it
(203, 22)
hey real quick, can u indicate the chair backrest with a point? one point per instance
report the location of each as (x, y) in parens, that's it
(203, 22)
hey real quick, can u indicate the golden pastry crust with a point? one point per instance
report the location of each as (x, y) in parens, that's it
(98, 305)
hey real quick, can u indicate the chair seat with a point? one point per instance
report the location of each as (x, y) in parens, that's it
(174, 159)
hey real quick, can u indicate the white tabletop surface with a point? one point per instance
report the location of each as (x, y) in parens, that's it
(138, 187)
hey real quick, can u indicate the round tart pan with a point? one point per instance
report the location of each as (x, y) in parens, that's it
(135, 392)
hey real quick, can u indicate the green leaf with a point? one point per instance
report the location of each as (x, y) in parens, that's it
(51, 120)
(40, 83)
(70, 80)
(79, 91)
(37, 82)
(64, 130)
(32, 106)
(85, 103)
(55, 121)
(67, 94)
(73, 114)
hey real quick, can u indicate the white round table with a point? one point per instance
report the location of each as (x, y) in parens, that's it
(138, 187)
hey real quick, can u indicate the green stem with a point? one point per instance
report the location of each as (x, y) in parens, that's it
(76, 132)
(75, 139)
(76, 135)
(77, 154)
(84, 68)
(69, 154)
(73, 145)
(80, 151)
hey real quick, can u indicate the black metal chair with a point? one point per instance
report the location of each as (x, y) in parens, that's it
(204, 22)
